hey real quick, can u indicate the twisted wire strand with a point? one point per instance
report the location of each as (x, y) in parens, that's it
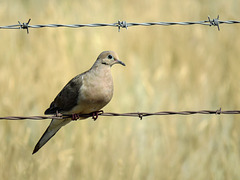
(120, 24)
(131, 114)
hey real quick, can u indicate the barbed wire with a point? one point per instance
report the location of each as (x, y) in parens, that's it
(120, 24)
(140, 115)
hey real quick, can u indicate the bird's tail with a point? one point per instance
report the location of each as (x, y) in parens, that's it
(52, 129)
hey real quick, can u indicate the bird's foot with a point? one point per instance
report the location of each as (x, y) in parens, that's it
(58, 114)
(95, 114)
(75, 117)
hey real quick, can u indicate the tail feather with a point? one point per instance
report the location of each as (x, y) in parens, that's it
(52, 129)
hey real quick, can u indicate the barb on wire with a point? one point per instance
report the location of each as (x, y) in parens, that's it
(121, 24)
(214, 22)
(24, 25)
(139, 115)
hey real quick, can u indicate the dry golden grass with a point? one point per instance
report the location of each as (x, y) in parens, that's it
(168, 68)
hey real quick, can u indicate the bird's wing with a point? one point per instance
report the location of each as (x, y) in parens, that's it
(64, 101)
(67, 98)
(52, 129)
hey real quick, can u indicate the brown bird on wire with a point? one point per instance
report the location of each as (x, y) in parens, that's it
(86, 93)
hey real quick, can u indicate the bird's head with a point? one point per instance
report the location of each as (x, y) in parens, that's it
(109, 58)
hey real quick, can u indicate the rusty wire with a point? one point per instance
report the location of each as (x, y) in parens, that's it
(140, 115)
(121, 24)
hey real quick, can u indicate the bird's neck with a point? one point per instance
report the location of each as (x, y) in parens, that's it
(101, 72)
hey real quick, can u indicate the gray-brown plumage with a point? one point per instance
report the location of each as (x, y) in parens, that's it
(86, 93)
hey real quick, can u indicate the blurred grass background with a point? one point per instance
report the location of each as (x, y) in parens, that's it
(168, 68)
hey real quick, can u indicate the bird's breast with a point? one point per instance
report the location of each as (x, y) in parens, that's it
(96, 91)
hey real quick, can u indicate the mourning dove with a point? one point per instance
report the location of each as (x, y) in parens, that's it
(86, 93)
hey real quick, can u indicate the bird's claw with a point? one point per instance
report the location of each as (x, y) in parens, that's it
(58, 114)
(95, 114)
(75, 117)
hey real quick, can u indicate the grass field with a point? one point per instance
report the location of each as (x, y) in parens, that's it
(168, 68)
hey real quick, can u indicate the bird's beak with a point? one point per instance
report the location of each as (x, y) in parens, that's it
(119, 62)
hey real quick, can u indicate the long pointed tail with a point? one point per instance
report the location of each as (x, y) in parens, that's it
(52, 129)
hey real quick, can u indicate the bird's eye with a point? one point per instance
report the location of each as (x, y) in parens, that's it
(110, 56)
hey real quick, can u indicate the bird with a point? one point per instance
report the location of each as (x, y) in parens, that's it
(86, 93)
